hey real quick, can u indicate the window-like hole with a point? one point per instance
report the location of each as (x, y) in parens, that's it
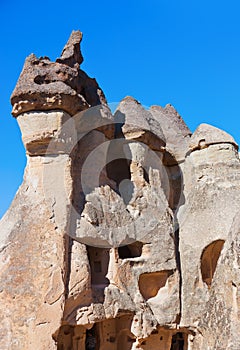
(150, 283)
(178, 341)
(91, 342)
(118, 170)
(209, 260)
(133, 250)
(145, 175)
(99, 261)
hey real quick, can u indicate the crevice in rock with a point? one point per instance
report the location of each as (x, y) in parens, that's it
(178, 263)
(175, 178)
(67, 271)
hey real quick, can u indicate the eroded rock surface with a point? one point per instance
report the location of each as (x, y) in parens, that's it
(125, 233)
(176, 133)
(46, 85)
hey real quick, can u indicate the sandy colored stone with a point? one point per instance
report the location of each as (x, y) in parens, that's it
(176, 133)
(212, 196)
(49, 132)
(206, 135)
(220, 321)
(139, 124)
(124, 234)
(32, 264)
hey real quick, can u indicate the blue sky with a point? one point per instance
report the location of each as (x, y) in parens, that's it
(186, 53)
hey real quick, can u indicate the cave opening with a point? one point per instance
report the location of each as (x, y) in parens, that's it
(178, 341)
(91, 341)
(99, 262)
(119, 170)
(151, 282)
(209, 260)
(132, 250)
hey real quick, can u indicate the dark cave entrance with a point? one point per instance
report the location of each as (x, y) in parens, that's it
(92, 339)
(132, 250)
(178, 342)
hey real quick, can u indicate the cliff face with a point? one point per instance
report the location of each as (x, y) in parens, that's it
(124, 233)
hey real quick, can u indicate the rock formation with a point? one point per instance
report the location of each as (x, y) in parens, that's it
(124, 233)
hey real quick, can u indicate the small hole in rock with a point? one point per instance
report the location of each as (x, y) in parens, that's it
(133, 250)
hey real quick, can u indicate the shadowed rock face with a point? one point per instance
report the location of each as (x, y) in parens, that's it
(46, 85)
(124, 234)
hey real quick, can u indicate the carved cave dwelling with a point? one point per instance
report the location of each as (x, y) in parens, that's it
(125, 231)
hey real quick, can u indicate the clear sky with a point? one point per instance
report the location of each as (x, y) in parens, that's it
(183, 52)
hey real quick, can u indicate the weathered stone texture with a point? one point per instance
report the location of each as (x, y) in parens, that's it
(176, 133)
(212, 196)
(125, 232)
(46, 85)
(32, 264)
(222, 309)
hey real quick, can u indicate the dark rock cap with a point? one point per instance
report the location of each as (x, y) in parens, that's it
(71, 53)
(46, 85)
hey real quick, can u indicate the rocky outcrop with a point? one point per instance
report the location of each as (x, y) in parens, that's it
(176, 132)
(221, 312)
(206, 135)
(46, 85)
(212, 196)
(124, 233)
(33, 245)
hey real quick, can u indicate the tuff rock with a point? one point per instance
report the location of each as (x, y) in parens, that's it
(62, 85)
(125, 232)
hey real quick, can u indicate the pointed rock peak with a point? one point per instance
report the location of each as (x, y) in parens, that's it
(130, 99)
(71, 53)
(176, 133)
(138, 121)
(46, 85)
(31, 58)
(206, 135)
(167, 108)
(130, 111)
(169, 115)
